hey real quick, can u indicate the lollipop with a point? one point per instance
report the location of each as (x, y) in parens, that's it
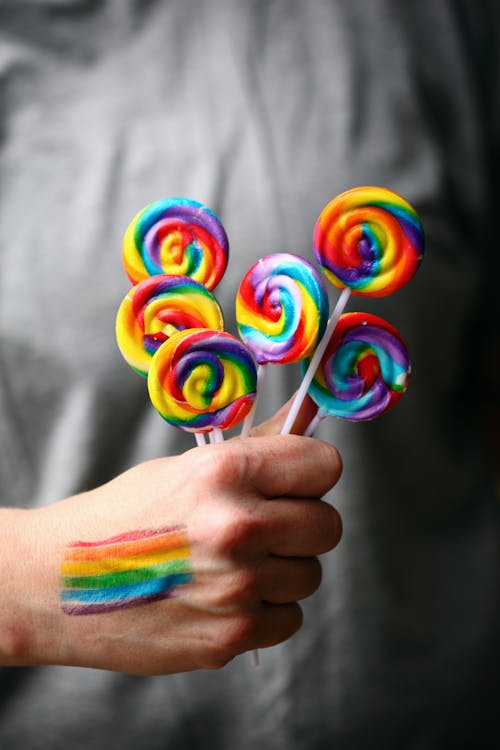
(281, 308)
(200, 380)
(176, 236)
(364, 371)
(370, 240)
(156, 308)
(281, 311)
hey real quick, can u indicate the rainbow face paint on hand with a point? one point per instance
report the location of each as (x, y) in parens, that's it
(156, 308)
(179, 237)
(124, 571)
(365, 369)
(200, 380)
(370, 240)
(281, 308)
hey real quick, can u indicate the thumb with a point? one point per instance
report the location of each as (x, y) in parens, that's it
(273, 425)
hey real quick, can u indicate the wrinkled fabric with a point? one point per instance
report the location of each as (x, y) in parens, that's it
(263, 111)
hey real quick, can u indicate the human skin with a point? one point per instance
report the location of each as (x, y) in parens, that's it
(255, 522)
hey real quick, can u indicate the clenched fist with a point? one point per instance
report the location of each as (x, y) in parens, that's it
(252, 523)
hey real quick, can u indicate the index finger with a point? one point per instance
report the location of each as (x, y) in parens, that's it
(290, 465)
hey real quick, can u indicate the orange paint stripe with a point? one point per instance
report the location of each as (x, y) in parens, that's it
(115, 565)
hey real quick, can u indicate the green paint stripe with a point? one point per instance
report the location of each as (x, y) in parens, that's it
(126, 576)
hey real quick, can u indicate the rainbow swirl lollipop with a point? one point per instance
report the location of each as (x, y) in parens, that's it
(281, 308)
(158, 307)
(370, 240)
(364, 371)
(201, 379)
(178, 237)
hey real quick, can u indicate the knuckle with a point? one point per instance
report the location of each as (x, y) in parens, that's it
(229, 636)
(252, 461)
(242, 587)
(214, 653)
(232, 463)
(235, 589)
(235, 531)
(222, 464)
(239, 633)
(217, 660)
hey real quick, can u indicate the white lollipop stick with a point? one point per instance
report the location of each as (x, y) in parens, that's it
(313, 424)
(248, 421)
(315, 360)
(217, 435)
(247, 426)
(200, 439)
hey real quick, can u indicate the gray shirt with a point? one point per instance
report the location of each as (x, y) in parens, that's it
(263, 111)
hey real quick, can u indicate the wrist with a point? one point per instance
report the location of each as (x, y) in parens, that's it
(29, 612)
(16, 626)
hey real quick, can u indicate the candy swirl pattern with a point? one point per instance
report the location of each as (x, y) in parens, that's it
(201, 379)
(281, 308)
(365, 369)
(176, 236)
(369, 239)
(158, 307)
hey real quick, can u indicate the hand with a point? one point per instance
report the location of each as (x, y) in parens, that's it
(255, 523)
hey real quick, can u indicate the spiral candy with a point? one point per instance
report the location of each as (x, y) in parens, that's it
(370, 240)
(281, 308)
(156, 308)
(201, 379)
(176, 236)
(365, 369)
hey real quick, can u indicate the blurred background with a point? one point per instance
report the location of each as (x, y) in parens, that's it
(264, 111)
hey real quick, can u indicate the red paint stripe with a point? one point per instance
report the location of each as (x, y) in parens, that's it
(129, 536)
